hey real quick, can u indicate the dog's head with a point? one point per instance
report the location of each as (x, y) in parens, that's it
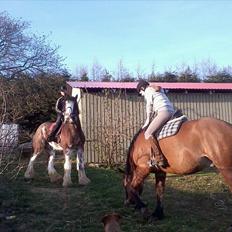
(111, 222)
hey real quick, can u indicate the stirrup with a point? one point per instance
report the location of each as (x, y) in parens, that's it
(154, 163)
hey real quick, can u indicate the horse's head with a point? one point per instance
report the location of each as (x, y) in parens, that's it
(70, 113)
(130, 180)
(126, 184)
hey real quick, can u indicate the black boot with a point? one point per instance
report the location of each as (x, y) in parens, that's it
(51, 138)
(157, 158)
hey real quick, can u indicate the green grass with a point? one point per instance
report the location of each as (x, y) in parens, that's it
(200, 202)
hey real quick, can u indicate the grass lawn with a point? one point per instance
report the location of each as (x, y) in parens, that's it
(200, 202)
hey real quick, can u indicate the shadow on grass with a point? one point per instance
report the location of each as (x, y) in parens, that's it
(192, 203)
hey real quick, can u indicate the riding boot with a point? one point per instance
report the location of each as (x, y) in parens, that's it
(157, 158)
(51, 137)
(55, 129)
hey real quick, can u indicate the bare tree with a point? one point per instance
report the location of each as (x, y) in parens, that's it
(110, 132)
(207, 68)
(2, 101)
(21, 52)
(139, 72)
(96, 71)
(8, 139)
(123, 73)
(106, 76)
(82, 73)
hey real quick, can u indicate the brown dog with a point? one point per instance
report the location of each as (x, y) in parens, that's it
(111, 222)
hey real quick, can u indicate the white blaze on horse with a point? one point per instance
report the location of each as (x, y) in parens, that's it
(70, 140)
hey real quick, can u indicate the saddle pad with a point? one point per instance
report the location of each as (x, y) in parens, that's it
(171, 127)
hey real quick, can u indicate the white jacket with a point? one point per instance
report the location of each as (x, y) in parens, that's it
(155, 102)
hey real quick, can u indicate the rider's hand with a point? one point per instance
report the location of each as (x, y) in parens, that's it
(145, 125)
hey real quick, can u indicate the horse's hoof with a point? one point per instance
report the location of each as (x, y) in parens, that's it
(145, 213)
(55, 179)
(28, 180)
(84, 181)
(67, 184)
(127, 203)
(158, 214)
(152, 219)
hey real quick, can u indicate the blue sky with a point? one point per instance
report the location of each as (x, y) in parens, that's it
(140, 33)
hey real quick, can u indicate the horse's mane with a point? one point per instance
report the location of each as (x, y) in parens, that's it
(129, 163)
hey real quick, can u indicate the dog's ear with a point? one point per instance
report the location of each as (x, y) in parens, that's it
(105, 219)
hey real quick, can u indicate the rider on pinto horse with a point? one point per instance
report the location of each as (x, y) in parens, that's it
(157, 103)
(60, 108)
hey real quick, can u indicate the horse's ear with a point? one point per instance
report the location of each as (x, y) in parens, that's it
(78, 97)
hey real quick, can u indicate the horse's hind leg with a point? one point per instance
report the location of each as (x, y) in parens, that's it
(83, 179)
(38, 146)
(227, 174)
(53, 175)
(29, 174)
(159, 189)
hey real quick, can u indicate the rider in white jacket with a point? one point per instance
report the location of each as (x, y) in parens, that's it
(157, 103)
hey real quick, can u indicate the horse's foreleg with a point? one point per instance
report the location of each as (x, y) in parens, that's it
(53, 175)
(29, 174)
(83, 179)
(134, 190)
(67, 170)
(159, 189)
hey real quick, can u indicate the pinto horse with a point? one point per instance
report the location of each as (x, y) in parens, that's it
(198, 144)
(71, 141)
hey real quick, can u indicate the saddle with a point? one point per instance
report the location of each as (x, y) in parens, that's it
(172, 126)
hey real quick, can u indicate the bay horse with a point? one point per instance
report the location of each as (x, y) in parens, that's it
(70, 140)
(197, 144)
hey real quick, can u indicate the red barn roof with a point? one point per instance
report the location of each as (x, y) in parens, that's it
(165, 85)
